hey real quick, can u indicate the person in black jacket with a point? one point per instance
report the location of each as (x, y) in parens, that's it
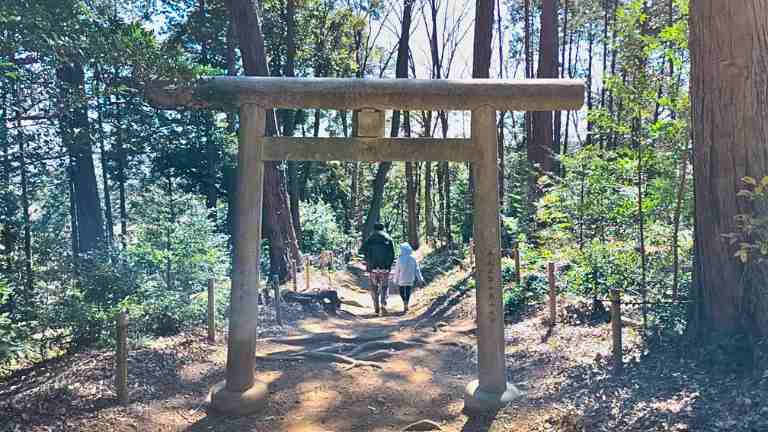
(379, 252)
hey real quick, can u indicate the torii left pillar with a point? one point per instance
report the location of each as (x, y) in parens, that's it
(240, 393)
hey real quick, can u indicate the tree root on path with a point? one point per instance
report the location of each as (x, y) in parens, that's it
(378, 355)
(380, 349)
(330, 338)
(372, 346)
(455, 344)
(380, 345)
(334, 348)
(325, 356)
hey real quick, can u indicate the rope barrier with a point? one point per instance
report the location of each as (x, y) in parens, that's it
(650, 303)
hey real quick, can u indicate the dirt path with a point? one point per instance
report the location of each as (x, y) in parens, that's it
(423, 382)
(564, 373)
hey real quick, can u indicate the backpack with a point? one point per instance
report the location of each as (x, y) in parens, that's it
(379, 251)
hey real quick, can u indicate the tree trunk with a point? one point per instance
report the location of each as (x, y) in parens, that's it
(571, 67)
(481, 56)
(411, 194)
(636, 140)
(429, 228)
(481, 65)
(8, 199)
(122, 163)
(377, 199)
(560, 70)
(590, 54)
(73, 219)
(75, 133)
(528, 68)
(729, 77)
(354, 192)
(611, 110)
(542, 145)
(441, 200)
(604, 75)
(500, 137)
(169, 280)
(290, 115)
(448, 231)
(104, 169)
(401, 71)
(676, 224)
(28, 278)
(231, 60)
(278, 225)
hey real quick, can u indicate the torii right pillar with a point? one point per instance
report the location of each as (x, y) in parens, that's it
(490, 391)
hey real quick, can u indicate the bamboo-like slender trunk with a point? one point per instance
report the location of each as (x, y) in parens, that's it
(641, 223)
(122, 162)
(28, 277)
(676, 225)
(590, 54)
(104, 168)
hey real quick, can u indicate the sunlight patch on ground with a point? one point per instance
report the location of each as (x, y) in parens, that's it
(420, 376)
(303, 426)
(268, 377)
(316, 400)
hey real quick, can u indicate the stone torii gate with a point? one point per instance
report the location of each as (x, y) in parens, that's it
(240, 393)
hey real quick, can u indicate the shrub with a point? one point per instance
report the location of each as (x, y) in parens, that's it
(517, 296)
(751, 236)
(319, 230)
(9, 340)
(602, 266)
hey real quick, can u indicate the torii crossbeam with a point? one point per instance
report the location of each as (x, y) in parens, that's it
(252, 96)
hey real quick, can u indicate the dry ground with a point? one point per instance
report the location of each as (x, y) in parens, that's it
(568, 383)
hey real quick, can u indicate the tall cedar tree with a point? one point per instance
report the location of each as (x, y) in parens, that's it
(411, 169)
(729, 77)
(289, 124)
(542, 144)
(481, 60)
(75, 133)
(277, 227)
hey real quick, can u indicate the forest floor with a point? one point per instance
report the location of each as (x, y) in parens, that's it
(564, 373)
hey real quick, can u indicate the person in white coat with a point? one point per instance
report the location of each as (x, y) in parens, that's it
(406, 273)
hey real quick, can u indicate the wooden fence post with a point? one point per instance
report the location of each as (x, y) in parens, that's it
(618, 362)
(121, 358)
(517, 265)
(329, 268)
(294, 275)
(277, 299)
(306, 273)
(211, 311)
(552, 294)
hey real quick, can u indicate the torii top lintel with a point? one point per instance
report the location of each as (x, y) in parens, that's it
(228, 93)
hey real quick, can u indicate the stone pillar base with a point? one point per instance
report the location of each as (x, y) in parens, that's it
(250, 401)
(481, 401)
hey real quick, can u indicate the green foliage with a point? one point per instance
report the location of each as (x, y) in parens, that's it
(177, 241)
(624, 196)
(517, 296)
(751, 236)
(319, 229)
(9, 340)
(510, 230)
(176, 250)
(157, 165)
(600, 267)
